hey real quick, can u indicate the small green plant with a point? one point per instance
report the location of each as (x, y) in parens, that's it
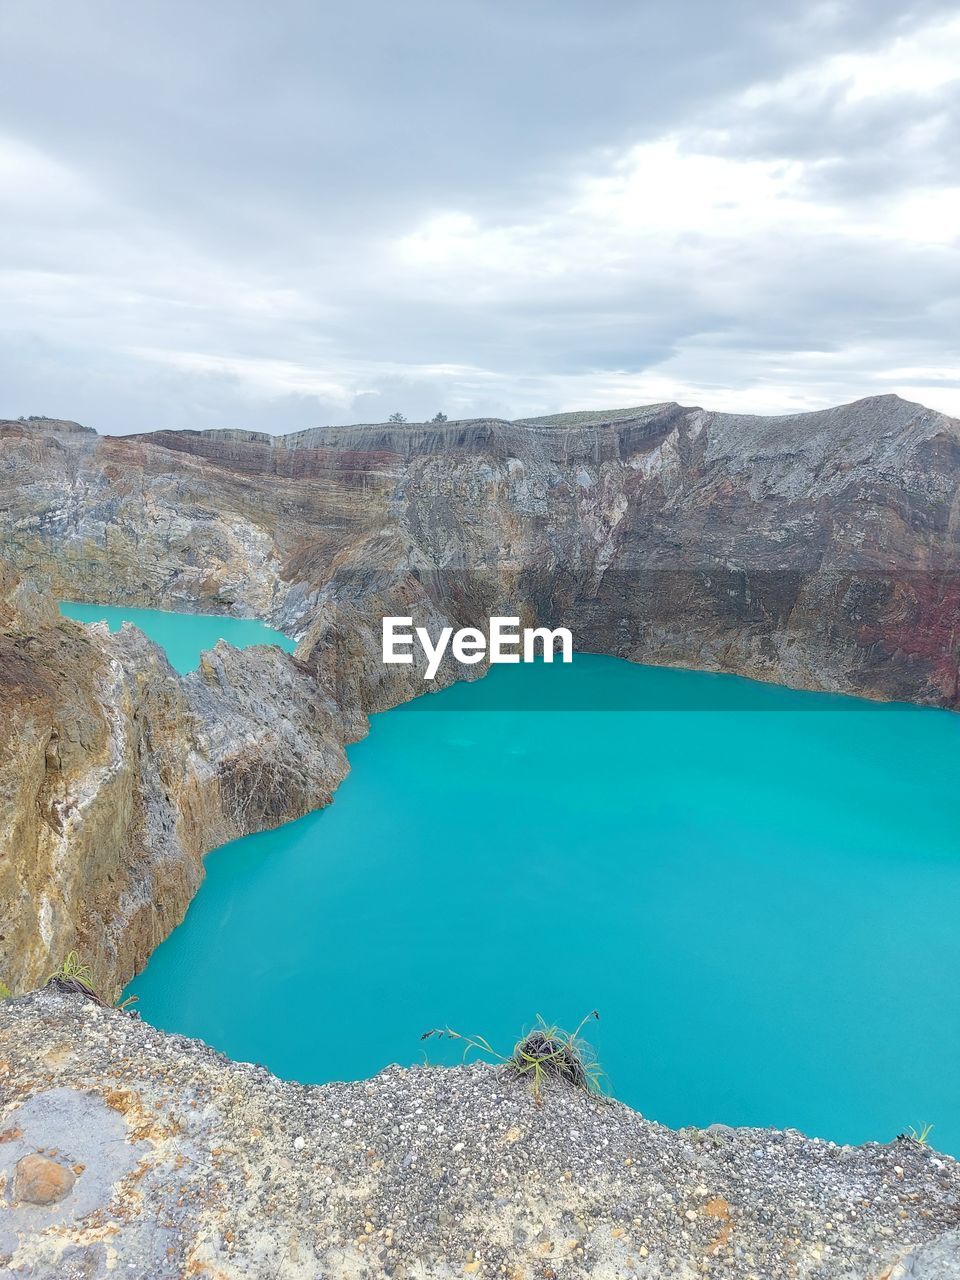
(76, 974)
(922, 1134)
(545, 1052)
(4, 991)
(72, 970)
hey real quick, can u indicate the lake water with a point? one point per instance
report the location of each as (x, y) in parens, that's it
(757, 888)
(183, 636)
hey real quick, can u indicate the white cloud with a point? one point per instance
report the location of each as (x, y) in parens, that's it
(921, 62)
(287, 377)
(33, 182)
(692, 261)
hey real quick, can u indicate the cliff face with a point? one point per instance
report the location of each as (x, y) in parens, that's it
(127, 1152)
(117, 775)
(821, 550)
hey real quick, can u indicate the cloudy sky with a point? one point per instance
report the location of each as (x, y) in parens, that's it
(230, 213)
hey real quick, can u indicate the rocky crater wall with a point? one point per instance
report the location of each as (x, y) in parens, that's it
(819, 550)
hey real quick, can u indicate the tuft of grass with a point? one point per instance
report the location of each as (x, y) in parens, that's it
(921, 1135)
(546, 1052)
(5, 992)
(74, 975)
(72, 970)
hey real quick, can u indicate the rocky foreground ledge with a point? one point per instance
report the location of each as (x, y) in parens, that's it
(125, 1152)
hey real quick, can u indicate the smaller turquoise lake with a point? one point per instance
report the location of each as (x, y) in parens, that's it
(758, 888)
(183, 636)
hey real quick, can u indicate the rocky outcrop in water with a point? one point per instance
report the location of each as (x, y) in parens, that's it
(820, 550)
(127, 1152)
(118, 775)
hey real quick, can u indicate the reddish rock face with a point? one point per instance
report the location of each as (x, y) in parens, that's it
(40, 1180)
(818, 549)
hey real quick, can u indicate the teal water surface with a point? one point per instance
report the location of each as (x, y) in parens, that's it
(183, 636)
(757, 888)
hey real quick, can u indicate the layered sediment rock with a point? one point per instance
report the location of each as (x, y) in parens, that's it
(820, 550)
(159, 1159)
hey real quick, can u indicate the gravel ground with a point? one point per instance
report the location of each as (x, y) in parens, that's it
(167, 1160)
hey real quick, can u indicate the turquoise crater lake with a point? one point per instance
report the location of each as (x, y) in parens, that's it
(183, 636)
(757, 888)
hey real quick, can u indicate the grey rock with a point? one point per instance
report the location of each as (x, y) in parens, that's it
(190, 1170)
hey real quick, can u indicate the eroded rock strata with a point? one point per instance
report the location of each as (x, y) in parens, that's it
(159, 1159)
(820, 550)
(117, 775)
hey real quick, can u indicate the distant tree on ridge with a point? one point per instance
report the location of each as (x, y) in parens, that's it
(396, 417)
(439, 417)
